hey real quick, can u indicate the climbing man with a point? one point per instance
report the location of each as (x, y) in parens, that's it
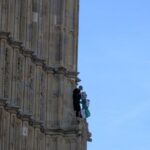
(76, 101)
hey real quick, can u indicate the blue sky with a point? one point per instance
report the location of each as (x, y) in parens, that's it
(114, 66)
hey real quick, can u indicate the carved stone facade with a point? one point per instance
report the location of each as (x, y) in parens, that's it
(38, 72)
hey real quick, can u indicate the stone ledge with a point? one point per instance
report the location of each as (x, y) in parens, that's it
(3, 101)
(75, 129)
(36, 123)
(71, 74)
(61, 132)
(38, 61)
(4, 35)
(12, 108)
(49, 69)
(60, 70)
(27, 52)
(23, 116)
(14, 44)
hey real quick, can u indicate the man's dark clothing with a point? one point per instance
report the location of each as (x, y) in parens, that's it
(76, 101)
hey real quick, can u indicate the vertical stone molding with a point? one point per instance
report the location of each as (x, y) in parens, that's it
(37, 92)
(35, 17)
(20, 80)
(4, 7)
(2, 68)
(6, 130)
(8, 69)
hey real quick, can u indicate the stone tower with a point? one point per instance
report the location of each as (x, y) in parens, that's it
(38, 72)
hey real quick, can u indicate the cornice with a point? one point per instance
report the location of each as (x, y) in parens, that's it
(62, 132)
(60, 70)
(14, 44)
(4, 35)
(72, 74)
(49, 69)
(23, 116)
(27, 52)
(38, 61)
(12, 108)
(36, 123)
(3, 101)
(75, 130)
(57, 70)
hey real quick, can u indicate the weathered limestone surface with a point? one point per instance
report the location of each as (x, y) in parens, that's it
(38, 72)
